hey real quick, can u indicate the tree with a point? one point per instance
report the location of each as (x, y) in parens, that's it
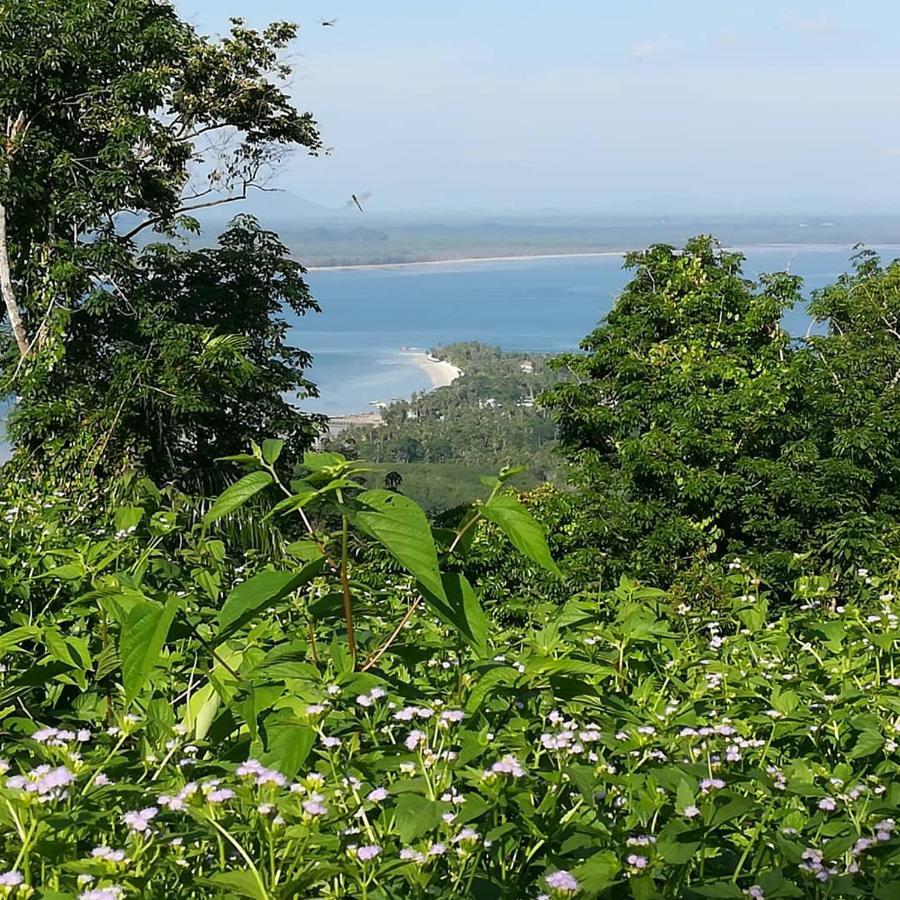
(193, 366)
(121, 119)
(685, 415)
(855, 370)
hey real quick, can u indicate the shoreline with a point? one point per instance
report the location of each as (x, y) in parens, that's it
(339, 267)
(468, 260)
(439, 371)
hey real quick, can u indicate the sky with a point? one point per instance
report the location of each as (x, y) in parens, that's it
(647, 107)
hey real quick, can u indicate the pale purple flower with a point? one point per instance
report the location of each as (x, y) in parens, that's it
(452, 715)
(48, 783)
(827, 804)
(691, 812)
(377, 795)
(138, 821)
(260, 774)
(367, 852)
(562, 881)
(437, 850)
(108, 854)
(711, 784)
(12, 878)
(414, 739)
(508, 765)
(314, 805)
(466, 835)
(755, 892)
(638, 862)
(330, 742)
(220, 795)
(113, 892)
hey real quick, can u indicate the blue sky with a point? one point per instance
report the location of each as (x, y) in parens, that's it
(651, 106)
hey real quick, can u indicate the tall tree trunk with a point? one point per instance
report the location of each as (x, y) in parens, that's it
(6, 289)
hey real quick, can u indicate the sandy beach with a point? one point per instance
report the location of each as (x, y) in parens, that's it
(440, 372)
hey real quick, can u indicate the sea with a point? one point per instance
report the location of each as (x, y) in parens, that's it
(371, 315)
(542, 305)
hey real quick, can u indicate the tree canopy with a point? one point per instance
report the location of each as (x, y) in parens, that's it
(701, 429)
(121, 119)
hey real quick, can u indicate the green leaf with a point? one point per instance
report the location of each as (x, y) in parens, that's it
(242, 882)
(263, 591)
(527, 536)
(271, 450)
(416, 816)
(678, 842)
(493, 678)
(319, 462)
(597, 873)
(400, 525)
(127, 518)
(461, 609)
(867, 743)
(140, 644)
(236, 495)
(723, 889)
(289, 744)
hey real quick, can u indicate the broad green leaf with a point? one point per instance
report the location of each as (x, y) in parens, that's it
(867, 743)
(526, 535)
(242, 882)
(416, 816)
(263, 591)
(723, 889)
(236, 495)
(318, 462)
(203, 705)
(400, 525)
(127, 518)
(678, 842)
(492, 678)
(271, 450)
(143, 635)
(597, 873)
(460, 608)
(288, 746)
(16, 636)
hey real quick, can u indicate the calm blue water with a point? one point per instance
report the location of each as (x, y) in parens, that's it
(539, 304)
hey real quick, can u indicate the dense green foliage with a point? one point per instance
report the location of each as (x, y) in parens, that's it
(701, 430)
(623, 744)
(120, 121)
(197, 361)
(484, 419)
(233, 667)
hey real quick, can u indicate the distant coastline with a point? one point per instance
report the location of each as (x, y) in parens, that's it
(593, 254)
(449, 261)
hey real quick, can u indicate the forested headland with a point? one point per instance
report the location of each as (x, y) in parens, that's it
(655, 656)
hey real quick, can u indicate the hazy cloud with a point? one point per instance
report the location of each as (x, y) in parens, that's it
(647, 50)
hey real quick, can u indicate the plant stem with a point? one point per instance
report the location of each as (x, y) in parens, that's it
(383, 648)
(345, 590)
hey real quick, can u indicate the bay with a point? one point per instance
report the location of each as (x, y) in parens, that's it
(541, 305)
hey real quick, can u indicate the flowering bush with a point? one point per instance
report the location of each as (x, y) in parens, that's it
(620, 748)
(163, 736)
